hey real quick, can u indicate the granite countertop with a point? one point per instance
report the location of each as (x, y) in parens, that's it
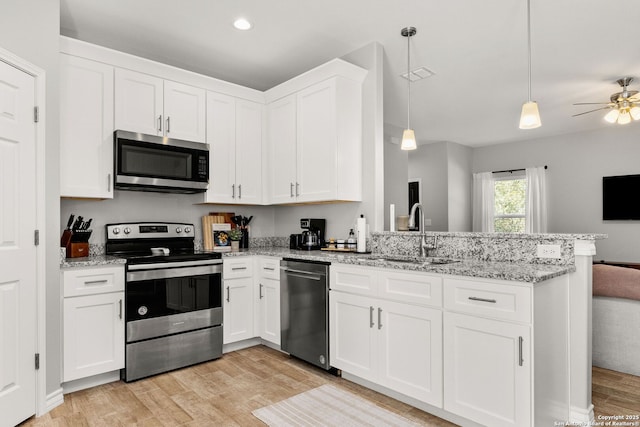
(520, 272)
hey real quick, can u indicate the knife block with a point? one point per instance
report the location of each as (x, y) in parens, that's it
(78, 243)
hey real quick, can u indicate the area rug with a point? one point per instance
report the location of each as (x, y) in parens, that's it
(328, 406)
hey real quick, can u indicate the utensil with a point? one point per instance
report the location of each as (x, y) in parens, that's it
(70, 221)
(87, 224)
(76, 225)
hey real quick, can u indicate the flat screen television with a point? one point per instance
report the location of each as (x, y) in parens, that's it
(621, 197)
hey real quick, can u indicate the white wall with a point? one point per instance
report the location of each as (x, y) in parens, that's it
(460, 183)
(396, 176)
(29, 29)
(577, 164)
(429, 163)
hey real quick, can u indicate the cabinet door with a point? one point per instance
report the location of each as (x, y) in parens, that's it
(93, 335)
(317, 142)
(86, 128)
(410, 350)
(352, 334)
(139, 102)
(221, 137)
(281, 142)
(269, 301)
(487, 370)
(248, 152)
(184, 111)
(238, 310)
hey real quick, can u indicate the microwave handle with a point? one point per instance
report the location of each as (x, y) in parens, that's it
(160, 123)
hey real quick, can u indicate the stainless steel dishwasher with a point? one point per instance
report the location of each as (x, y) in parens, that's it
(304, 310)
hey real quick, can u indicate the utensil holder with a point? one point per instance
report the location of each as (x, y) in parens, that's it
(244, 240)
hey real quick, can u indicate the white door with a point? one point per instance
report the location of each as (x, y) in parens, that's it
(238, 310)
(221, 137)
(17, 249)
(281, 143)
(249, 152)
(487, 370)
(269, 297)
(138, 102)
(184, 110)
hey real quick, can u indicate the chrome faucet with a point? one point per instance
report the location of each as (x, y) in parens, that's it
(424, 248)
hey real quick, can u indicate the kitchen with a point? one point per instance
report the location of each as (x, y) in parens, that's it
(600, 158)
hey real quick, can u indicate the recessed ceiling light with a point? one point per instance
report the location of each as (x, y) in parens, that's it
(242, 24)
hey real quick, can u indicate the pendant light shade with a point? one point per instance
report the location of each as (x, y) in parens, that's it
(530, 116)
(408, 136)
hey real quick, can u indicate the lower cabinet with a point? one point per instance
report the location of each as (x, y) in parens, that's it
(268, 299)
(237, 274)
(394, 344)
(93, 321)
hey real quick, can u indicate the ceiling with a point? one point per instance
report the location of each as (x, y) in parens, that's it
(477, 49)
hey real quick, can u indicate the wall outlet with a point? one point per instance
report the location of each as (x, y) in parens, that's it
(549, 251)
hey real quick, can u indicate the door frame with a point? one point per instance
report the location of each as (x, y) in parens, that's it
(39, 76)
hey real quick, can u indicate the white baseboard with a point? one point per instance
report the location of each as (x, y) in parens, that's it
(96, 380)
(234, 346)
(581, 416)
(53, 400)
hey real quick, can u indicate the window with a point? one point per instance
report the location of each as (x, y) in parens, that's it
(509, 204)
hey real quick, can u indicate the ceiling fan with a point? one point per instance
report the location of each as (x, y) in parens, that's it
(624, 105)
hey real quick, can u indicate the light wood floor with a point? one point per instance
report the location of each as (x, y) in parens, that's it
(225, 391)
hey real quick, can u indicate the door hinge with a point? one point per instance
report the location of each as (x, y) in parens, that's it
(36, 114)
(37, 361)
(36, 237)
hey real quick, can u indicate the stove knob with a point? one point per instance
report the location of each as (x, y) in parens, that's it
(187, 230)
(178, 230)
(116, 230)
(127, 230)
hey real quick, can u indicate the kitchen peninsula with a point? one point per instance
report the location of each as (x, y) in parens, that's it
(506, 334)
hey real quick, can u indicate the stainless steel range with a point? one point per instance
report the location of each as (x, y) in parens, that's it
(173, 297)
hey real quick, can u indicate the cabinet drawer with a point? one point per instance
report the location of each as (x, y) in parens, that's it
(500, 301)
(355, 280)
(235, 268)
(269, 268)
(415, 288)
(92, 280)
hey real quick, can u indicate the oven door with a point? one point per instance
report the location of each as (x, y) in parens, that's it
(169, 298)
(148, 162)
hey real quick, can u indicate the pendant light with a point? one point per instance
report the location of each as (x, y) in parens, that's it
(408, 136)
(530, 116)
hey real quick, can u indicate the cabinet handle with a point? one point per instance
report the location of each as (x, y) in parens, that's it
(228, 300)
(520, 359)
(268, 268)
(260, 290)
(291, 188)
(160, 123)
(109, 183)
(233, 191)
(492, 301)
(371, 317)
(120, 304)
(238, 268)
(168, 124)
(239, 191)
(95, 282)
(297, 189)
(379, 318)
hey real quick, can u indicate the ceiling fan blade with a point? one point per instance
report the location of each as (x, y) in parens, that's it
(590, 111)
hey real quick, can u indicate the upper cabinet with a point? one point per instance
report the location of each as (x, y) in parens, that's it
(315, 136)
(86, 128)
(234, 135)
(151, 105)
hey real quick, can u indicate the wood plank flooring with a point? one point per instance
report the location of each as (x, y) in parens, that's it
(225, 391)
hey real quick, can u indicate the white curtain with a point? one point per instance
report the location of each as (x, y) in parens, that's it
(483, 202)
(536, 203)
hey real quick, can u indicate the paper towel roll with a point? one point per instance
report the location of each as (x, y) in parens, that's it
(392, 217)
(361, 226)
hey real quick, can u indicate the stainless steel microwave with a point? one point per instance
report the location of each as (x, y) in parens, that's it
(153, 163)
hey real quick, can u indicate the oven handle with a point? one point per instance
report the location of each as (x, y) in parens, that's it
(167, 265)
(167, 273)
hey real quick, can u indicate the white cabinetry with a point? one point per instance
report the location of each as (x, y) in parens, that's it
(151, 105)
(238, 307)
(86, 128)
(268, 299)
(315, 143)
(234, 135)
(93, 321)
(378, 337)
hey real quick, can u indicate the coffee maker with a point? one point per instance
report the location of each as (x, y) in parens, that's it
(313, 236)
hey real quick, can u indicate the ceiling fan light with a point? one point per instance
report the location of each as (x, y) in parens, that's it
(635, 113)
(624, 117)
(612, 116)
(408, 140)
(530, 116)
